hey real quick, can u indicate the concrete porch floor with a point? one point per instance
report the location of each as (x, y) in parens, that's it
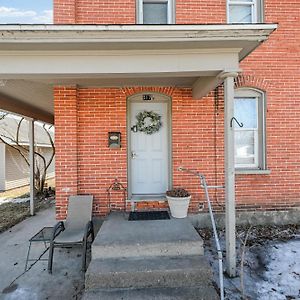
(145, 238)
(161, 259)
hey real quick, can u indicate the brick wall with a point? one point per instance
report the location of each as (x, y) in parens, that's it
(197, 143)
(200, 12)
(124, 11)
(66, 175)
(86, 165)
(64, 11)
(274, 67)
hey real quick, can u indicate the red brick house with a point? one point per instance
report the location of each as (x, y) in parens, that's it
(102, 76)
(266, 92)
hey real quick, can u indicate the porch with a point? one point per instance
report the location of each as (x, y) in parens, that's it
(93, 69)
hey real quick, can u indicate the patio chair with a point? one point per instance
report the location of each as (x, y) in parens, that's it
(76, 230)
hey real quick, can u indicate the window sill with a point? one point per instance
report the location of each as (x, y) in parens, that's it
(252, 172)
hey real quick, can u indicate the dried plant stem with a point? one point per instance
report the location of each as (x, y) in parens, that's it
(244, 244)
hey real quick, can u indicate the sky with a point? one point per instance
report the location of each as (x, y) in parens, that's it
(26, 11)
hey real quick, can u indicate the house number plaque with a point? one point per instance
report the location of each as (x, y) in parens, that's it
(147, 97)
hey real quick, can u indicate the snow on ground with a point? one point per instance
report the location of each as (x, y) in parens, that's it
(271, 269)
(13, 200)
(281, 280)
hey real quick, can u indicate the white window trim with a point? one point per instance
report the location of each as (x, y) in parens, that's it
(171, 10)
(261, 129)
(254, 8)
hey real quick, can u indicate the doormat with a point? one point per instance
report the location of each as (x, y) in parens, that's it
(148, 215)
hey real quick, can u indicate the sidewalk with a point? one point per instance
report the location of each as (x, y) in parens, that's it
(66, 280)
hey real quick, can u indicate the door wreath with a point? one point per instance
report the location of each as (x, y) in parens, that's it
(148, 122)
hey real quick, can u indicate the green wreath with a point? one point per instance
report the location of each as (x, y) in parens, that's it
(148, 122)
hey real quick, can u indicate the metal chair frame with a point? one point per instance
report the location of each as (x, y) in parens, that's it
(60, 227)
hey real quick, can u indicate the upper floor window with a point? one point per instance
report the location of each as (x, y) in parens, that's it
(249, 109)
(155, 11)
(244, 11)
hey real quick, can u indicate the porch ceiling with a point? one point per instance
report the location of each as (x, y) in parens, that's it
(33, 58)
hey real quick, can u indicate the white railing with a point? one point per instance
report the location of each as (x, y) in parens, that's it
(204, 185)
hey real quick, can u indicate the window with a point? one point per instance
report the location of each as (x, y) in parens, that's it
(249, 109)
(244, 11)
(155, 11)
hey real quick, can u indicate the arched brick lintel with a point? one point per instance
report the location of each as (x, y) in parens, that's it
(244, 80)
(129, 91)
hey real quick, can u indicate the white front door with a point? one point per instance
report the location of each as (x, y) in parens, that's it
(149, 153)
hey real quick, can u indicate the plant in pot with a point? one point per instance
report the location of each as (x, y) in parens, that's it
(178, 200)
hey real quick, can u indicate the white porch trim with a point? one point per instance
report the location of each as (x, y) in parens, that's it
(229, 173)
(31, 165)
(2, 166)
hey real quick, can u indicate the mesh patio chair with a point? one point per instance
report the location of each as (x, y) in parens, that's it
(76, 230)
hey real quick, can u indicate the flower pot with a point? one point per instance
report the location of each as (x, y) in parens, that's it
(179, 206)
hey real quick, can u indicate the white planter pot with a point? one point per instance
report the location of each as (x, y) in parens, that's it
(179, 206)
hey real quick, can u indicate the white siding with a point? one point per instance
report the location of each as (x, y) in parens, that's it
(17, 171)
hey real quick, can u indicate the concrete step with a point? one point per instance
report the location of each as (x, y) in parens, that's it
(121, 238)
(179, 293)
(149, 272)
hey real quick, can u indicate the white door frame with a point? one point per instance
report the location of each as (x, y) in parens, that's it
(137, 98)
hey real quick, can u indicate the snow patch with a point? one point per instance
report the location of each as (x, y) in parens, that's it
(282, 277)
(22, 293)
(14, 200)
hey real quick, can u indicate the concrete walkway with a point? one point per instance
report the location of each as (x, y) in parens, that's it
(66, 280)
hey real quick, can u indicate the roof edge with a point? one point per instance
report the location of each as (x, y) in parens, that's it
(174, 27)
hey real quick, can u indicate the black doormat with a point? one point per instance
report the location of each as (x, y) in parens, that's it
(148, 215)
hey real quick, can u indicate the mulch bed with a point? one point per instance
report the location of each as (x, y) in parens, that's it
(258, 235)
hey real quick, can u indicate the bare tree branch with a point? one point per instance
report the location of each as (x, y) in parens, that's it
(24, 148)
(42, 164)
(14, 141)
(18, 130)
(2, 117)
(16, 148)
(52, 145)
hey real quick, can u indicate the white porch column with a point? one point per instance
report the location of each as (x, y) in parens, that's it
(32, 164)
(2, 166)
(229, 172)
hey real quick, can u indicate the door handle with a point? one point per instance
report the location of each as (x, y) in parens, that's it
(133, 155)
(134, 128)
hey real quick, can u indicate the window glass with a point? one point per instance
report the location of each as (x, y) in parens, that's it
(245, 147)
(245, 110)
(155, 13)
(240, 14)
(246, 137)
